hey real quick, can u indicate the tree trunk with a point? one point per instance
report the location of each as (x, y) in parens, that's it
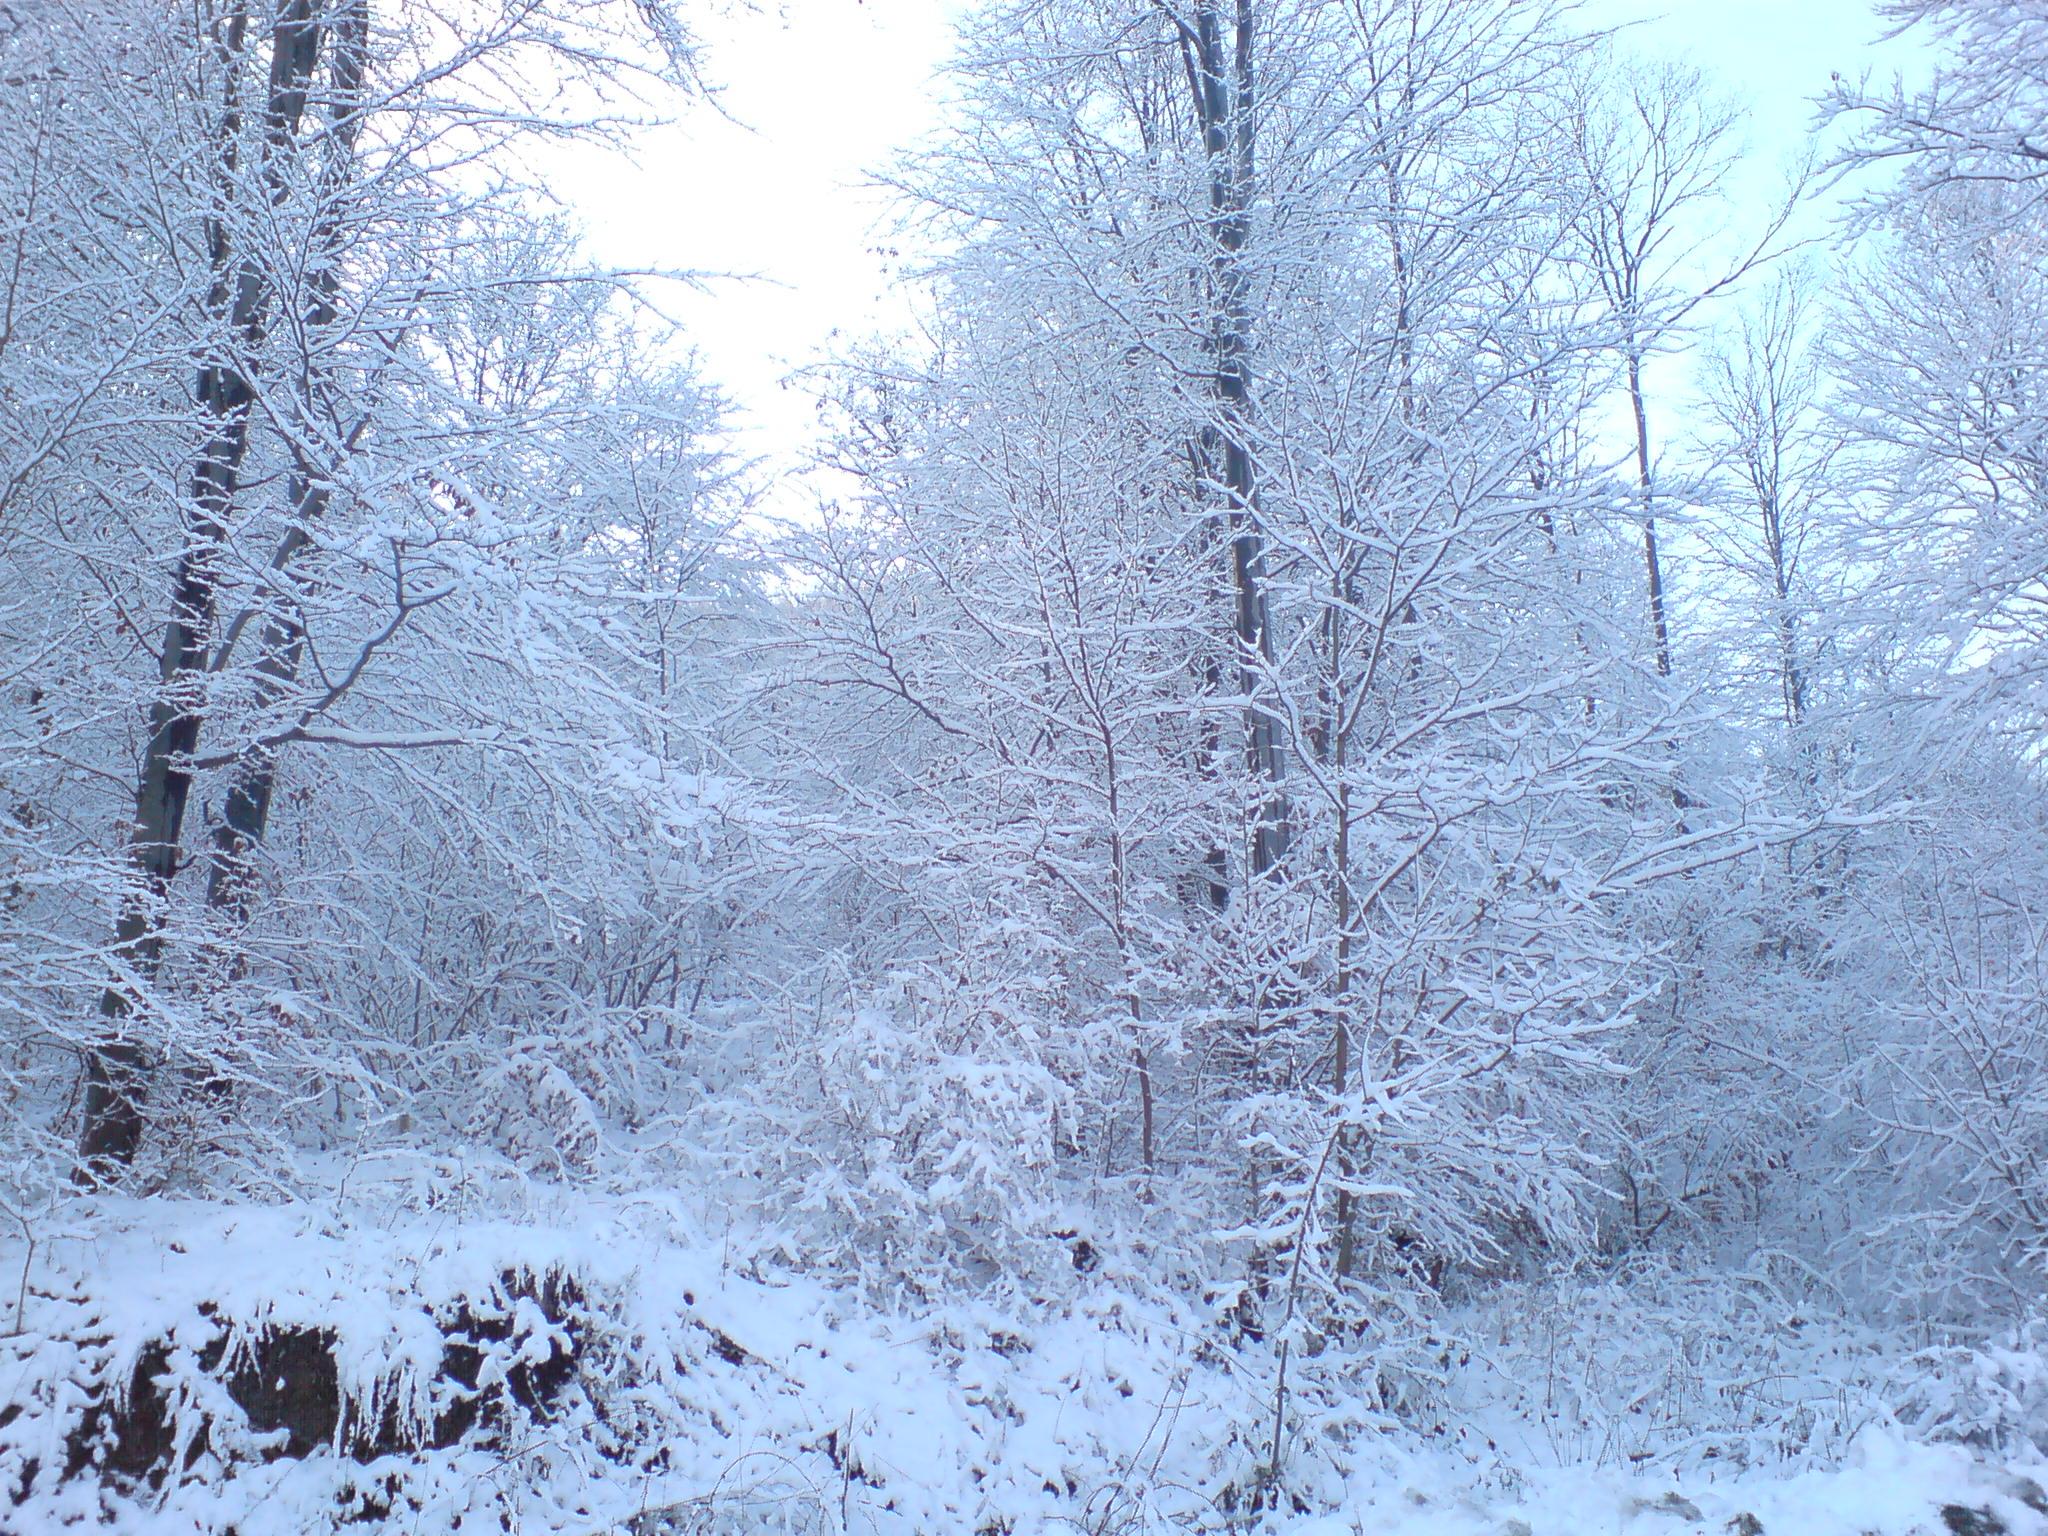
(245, 811)
(117, 1066)
(1660, 629)
(1224, 99)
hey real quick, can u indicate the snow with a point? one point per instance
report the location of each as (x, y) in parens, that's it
(736, 1394)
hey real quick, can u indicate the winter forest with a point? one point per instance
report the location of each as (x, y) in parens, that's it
(1365, 852)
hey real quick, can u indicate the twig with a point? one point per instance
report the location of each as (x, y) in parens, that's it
(21, 1294)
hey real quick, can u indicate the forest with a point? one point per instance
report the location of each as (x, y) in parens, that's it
(1366, 852)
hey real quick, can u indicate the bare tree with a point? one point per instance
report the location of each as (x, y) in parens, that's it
(240, 301)
(1763, 406)
(1981, 120)
(1221, 59)
(1656, 146)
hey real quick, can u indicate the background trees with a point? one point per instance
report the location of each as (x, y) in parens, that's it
(1223, 789)
(1354, 1044)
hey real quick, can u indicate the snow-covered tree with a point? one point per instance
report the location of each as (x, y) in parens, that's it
(289, 364)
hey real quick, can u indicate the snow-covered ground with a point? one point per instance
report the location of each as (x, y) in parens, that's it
(601, 1366)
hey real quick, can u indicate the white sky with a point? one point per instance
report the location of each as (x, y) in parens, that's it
(820, 91)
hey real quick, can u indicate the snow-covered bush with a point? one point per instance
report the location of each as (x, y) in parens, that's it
(914, 1134)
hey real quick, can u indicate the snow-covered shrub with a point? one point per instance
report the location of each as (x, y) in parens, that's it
(532, 1108)
(920, 1123)
(1991, 1395)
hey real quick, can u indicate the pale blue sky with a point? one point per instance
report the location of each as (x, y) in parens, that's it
(829, 88)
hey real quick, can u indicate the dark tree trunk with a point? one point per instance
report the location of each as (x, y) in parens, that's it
(118, 1067)
(245, 811)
